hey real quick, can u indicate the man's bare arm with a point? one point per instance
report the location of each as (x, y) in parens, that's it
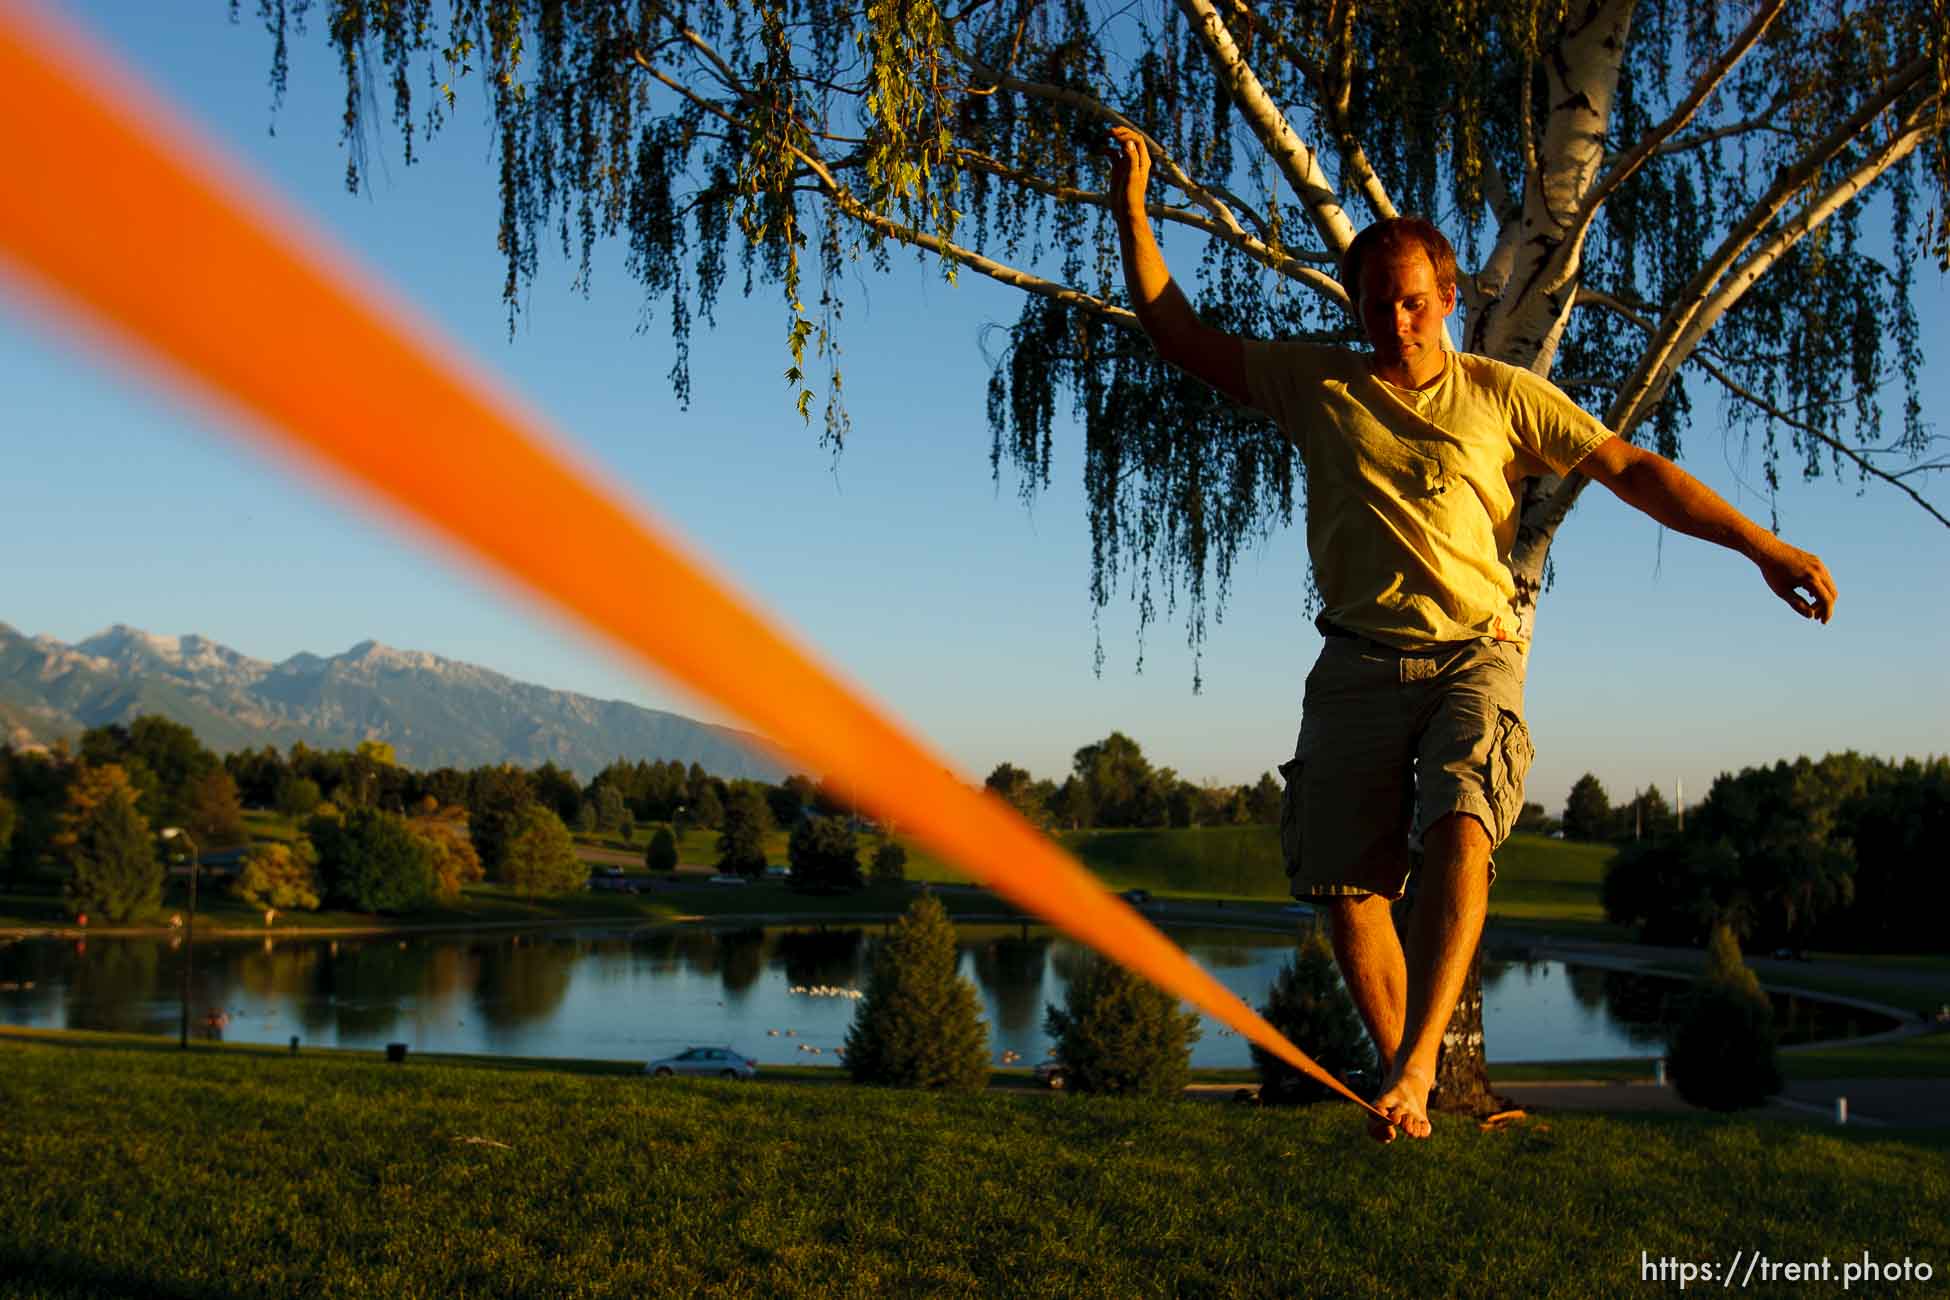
(1181, 338)
(1651, 483)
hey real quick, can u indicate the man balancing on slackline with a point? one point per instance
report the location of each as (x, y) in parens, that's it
(1412, 742)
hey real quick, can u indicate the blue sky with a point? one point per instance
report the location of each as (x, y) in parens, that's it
(1659, 659)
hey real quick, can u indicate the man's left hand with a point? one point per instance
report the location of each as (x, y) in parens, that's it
(1801, 579)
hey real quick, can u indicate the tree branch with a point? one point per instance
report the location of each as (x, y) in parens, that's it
(1299, 164)
(1340, 116)
(1205, 197)
(1334, 97)
(1768, 122)
(844, 199)
(1727, 381)
(1820, 435)
(1635, 157)
(1679, 329)
(1290, 265)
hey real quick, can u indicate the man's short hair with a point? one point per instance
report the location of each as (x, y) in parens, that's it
(1392, 238)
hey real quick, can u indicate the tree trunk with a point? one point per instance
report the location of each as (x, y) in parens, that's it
(1462, 1078)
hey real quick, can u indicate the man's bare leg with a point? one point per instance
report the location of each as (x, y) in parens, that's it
(1370, 957)
(1443, 931)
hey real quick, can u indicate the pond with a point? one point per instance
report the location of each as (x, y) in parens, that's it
(778, 995)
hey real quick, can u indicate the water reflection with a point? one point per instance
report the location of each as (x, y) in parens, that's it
(523, 983)
(743, 961)
(823, 958)
(631, 994)
(119, 987)
(1011, 971)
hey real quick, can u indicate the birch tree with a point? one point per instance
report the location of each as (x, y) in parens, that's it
(1655, 204)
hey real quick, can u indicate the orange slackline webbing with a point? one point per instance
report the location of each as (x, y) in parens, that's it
(114, 209)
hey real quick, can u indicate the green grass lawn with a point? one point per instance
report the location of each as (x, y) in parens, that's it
(220, 1173)
(1911, 985)
(1923, 1057)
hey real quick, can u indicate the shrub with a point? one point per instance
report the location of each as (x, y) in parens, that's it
(114, 860)
(889, 863)
(1117, 1032)
(1722, 1051)
(825, 855)
(369, 860)
(540, 857)
(1309, 1004)
(662, 853)
(919, 1024)
(278, 876)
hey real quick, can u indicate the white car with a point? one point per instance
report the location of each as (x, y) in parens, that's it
(714, 1062)
(729, 880)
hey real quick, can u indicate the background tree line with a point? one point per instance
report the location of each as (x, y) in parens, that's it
(1831, 853)
(1111, 784)
(379, 836)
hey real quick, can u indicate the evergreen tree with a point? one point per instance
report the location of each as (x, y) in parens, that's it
(496, 798)
(920, 1024)
(1264, 801)
(610, 808)
(662, 853)
(825, 855)
(116, 873)
(1722, 1052)
(889, 863)
(541, 857)
(708, 809)
(1587, 812)
(1309, 1004)
(741, 845)
(1119, 1033)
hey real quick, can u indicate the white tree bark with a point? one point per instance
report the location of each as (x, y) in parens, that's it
(1527, 314)
(1298, 163)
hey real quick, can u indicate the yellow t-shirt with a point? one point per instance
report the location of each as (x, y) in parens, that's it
(1411, 495)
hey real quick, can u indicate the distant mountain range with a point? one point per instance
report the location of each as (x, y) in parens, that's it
(434, 712)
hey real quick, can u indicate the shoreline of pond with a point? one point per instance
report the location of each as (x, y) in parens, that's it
(1581, 952)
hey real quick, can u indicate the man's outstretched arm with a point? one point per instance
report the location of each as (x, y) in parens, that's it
(1651, 483)
(1181, 338)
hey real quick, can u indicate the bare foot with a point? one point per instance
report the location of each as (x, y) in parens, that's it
(1404, 1099)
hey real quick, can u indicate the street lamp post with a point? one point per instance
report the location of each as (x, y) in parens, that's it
(189, 932)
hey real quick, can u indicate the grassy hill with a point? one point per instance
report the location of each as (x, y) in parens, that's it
(230, 1172)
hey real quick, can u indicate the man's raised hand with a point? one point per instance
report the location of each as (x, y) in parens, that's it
(1130, 170)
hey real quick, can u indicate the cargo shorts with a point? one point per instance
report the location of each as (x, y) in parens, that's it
(1391, 741)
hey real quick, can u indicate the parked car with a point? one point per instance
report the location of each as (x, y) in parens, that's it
(1136, 897)
(717, 1062)
(729, 880)
(1053, 1074)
